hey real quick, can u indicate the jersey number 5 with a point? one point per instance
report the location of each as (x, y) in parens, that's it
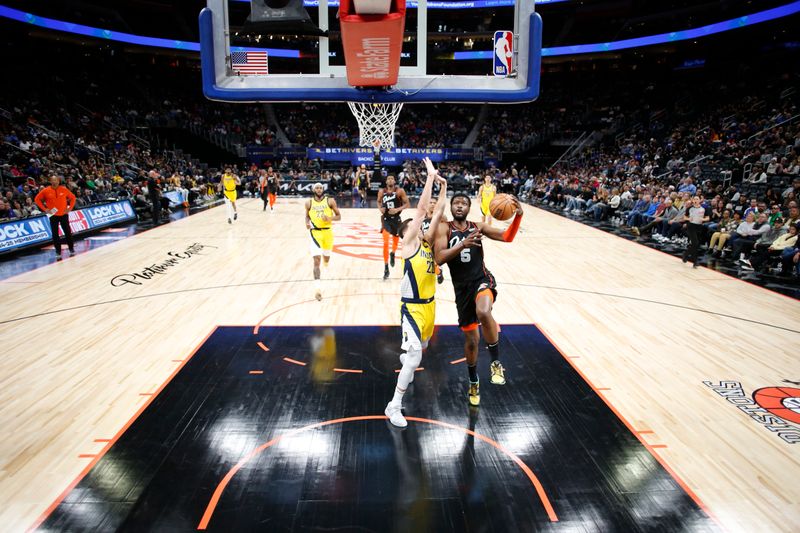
(466, 256)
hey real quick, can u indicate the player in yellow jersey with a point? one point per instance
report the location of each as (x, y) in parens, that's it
(320, 212)
(486, 195)
(426, 224)
(228, 185)
(417, 308)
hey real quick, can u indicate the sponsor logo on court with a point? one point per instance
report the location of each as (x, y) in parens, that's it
(361, 241)
(159, 268)
(776, 408)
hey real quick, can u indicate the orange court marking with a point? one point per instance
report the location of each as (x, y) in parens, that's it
(348, 370)
(463, 359)
(47, 512)
(256, 372)
(314, 301)
(212, 504)
(262, 346)
(624, 420)
(294, 361)
(258, 326)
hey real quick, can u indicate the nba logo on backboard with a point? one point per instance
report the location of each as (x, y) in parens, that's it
(503, 53)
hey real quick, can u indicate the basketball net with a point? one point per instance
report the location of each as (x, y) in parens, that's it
(376, 123)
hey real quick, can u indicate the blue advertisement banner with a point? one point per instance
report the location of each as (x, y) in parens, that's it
(357, 156)
(174, 197)
(36, 230)
(19, 233)
(107, 214)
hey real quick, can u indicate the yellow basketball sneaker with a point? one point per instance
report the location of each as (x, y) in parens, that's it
(474, 393)
(498, 373)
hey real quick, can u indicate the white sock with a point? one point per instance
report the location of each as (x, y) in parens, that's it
(406, 376)
(229, 208)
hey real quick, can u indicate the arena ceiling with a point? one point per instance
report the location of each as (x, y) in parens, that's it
(567, 22)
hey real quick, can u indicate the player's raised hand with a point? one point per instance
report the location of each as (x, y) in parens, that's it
(430, 168)
(473, 239)
(517, 204)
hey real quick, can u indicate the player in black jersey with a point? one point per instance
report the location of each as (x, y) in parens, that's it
(458, 244)
(426, 224)
(268, 182)
(391, 202)
(273, 186)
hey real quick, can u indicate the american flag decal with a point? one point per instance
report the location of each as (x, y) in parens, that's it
(249, 63)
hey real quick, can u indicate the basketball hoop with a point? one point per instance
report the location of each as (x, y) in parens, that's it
(376, 123)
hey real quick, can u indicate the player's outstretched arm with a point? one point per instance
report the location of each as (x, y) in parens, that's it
(505, 235)
(412, 231)
(438, 211)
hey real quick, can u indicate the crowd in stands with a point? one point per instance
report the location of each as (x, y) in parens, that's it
(738, 153)
(432, 126)
(96, 159)
(742, 161)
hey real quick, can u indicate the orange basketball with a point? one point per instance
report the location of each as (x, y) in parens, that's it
(502, 207)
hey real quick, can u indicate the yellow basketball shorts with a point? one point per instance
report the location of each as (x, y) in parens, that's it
(321, 241)
(416, 324)
(230, 195)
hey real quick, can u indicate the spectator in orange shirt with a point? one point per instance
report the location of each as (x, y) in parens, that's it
(56, 201)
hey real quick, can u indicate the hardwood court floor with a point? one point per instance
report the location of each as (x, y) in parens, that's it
(676, 352)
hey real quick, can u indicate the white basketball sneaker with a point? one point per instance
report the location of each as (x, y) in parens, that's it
(395, 415)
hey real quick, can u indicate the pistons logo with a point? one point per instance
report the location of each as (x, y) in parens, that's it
(777, 409)
(783, 402)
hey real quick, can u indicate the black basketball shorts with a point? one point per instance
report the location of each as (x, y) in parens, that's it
(466, 293)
